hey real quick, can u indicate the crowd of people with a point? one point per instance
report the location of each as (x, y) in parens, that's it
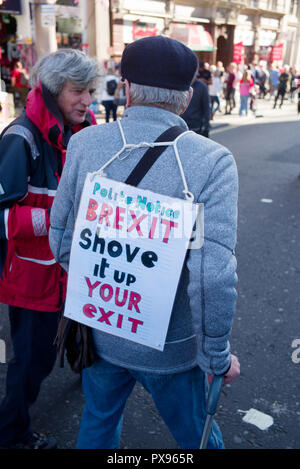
(233, 87)
(245, 83)
(227, 88)
(248, 82)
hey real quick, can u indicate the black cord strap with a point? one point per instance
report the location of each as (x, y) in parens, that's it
(152, 154)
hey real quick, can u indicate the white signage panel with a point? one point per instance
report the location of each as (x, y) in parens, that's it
(127, 254)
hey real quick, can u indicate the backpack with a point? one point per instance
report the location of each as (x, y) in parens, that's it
(24, 79)
(111, 86)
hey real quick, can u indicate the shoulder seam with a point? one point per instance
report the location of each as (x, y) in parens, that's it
(24, 132)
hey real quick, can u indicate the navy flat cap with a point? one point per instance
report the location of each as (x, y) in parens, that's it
(159, 61)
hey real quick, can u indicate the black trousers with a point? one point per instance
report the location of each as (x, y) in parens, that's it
(110, 107)
(280, 93)
(32, 335)
(230, 100)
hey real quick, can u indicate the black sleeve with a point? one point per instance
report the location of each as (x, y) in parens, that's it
(205, 108)
(14, 169)
(3, 242)
(14, 172)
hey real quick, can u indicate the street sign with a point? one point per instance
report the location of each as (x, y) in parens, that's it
(48, 15)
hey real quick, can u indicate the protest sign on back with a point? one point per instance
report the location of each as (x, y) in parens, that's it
(127, 254)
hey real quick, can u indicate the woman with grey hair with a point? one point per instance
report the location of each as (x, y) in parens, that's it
(55, 69)
(32, 283)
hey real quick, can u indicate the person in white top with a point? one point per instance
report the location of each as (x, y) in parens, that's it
(215, 90)
(109, 87)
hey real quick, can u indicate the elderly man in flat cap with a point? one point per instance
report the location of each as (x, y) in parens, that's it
(158, 73)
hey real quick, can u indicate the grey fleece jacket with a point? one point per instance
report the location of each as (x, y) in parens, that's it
(205, 301)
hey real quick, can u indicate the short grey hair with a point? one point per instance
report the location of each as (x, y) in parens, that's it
(171, 100)
(55, 69)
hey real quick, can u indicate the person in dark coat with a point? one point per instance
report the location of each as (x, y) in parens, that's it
(32, 156)
(283, 86)
(197, 114)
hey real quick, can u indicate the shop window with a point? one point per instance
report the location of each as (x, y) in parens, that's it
(70, 3)
(68, 32)
(8, 46)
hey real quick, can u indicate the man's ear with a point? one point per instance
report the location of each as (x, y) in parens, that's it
(127, 93)
(191, 91)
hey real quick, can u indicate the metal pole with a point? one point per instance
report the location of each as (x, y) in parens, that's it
(211, 407)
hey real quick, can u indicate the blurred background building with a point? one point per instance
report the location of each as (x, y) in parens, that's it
(249, 30)
(217, 30)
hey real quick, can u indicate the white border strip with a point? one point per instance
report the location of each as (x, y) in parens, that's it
(38, 261)
(6, 213)
(41, 190)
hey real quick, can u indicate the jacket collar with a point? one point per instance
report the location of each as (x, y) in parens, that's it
(158, 115)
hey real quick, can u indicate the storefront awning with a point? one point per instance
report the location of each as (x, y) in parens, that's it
(192, 35)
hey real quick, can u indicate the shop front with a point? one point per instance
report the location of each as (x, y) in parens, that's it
(244, 37)
(267, 40)
(225, 43)
(137, 26)
(196, 37)
(11, 50)
(69, 24)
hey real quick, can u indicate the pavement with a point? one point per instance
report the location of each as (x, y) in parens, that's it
(264, 114)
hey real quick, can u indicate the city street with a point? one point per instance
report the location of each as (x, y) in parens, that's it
(266, 327)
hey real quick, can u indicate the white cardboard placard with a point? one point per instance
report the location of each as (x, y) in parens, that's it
(127, 253)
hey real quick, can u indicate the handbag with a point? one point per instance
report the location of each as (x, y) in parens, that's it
(75, 340)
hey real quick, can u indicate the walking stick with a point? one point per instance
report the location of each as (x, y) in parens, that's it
(211, 407)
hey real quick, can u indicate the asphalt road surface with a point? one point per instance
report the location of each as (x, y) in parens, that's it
(266, 332)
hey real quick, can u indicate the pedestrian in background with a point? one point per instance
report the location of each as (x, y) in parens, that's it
(215, 90)
(32, 156)
(298, 93)
(282, 86)
(255, 73)
(239, 74)
(20, 82)
(230, 83)
(246, 84)
(293, 82)
(110, 84)
(197, 115)
(262, 79)
(273, 79)
(220, 70)
(204, 74)
(158, 73)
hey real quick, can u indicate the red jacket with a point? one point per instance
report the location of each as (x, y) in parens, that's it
(32, 156)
